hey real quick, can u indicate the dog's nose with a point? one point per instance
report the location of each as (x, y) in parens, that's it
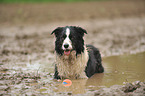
(66, 45)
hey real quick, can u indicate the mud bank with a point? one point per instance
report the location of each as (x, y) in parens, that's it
(136, 88)
(111, 36)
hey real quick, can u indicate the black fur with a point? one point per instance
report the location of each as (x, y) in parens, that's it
(94, 64)
(56, 76)
(76, 37)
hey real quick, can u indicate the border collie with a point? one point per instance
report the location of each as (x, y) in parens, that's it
(74, 59)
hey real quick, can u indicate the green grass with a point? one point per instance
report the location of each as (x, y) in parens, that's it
(42, 1)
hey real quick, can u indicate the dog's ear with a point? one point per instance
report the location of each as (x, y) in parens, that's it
(57, 31)
(81, 31)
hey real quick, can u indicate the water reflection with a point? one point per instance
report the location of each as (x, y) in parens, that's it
(77, 87)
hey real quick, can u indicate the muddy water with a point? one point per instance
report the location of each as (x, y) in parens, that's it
(118, 71)
(124, 68)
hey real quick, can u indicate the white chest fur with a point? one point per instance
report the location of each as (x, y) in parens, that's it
(71, 66)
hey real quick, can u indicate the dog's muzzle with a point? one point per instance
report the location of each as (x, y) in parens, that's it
(67, 49)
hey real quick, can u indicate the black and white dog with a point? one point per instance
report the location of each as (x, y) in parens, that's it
(74, 59)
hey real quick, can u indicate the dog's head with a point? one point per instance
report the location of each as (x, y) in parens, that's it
(68, 39)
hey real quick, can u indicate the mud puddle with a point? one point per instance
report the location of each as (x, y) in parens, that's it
(118, 71)
(33, 79)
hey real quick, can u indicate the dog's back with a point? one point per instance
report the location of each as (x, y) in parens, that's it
(94, 64)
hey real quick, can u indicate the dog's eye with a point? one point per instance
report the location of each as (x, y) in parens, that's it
(64, 36)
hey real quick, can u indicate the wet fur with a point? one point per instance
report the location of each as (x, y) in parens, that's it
(72, 67)
(84, 60)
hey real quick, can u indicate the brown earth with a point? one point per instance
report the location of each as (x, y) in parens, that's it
(57, 12)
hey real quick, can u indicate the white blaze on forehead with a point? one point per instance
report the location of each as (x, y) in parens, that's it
(67, 40)
(67, 32)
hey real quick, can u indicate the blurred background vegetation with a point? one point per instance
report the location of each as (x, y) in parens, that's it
(43, 1)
